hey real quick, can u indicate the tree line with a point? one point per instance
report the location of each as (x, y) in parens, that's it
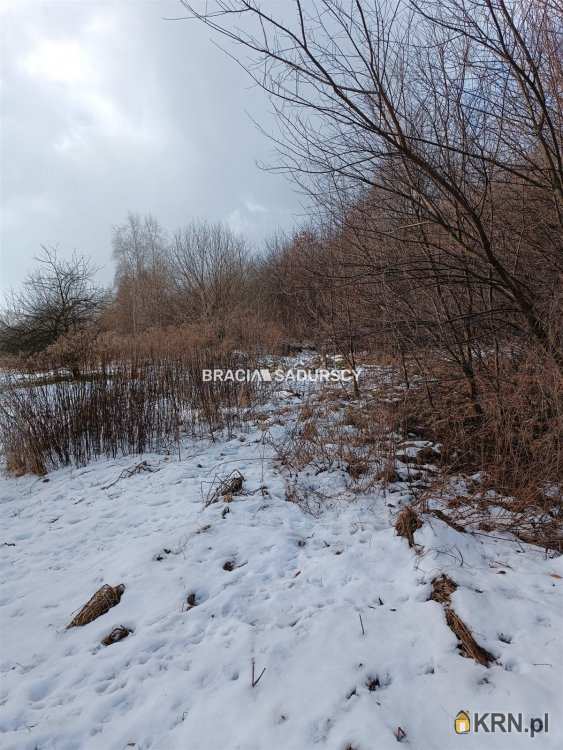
(429, 138)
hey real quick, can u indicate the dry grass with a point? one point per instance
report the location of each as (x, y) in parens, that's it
(361, 440)
(468, 645)
(407, 523)
(357, 467)
(311, 501)
(129, 406)
(102, 601)
(225, 488)
(517, 441)
(442, 589)
(534, 521)
(388, 474)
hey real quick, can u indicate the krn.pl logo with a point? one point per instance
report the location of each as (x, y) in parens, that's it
(462, 723)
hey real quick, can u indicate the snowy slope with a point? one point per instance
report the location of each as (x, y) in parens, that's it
(292, 603)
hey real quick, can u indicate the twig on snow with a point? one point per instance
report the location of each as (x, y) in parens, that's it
(256, 680)
(137, 469)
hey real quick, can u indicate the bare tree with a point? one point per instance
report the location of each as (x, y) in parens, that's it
(446, 114)
(58, 298)
(142, 279)
(209, 264)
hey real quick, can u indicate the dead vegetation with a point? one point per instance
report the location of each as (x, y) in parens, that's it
(451, 245)
(476, 507)
(442, 589)
(468, 646)
(224, 489)
(101, 602)
(407, 523)
(116, 635)
(329, 434)
(499, 471)
(311, 500)
(141, 467)
(123, 406)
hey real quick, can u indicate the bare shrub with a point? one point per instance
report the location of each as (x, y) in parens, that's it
(513, 448)
(58, 298)
(515, 443)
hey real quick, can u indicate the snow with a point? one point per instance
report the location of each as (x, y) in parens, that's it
(292, 603)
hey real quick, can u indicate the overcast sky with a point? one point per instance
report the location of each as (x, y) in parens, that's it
(107, 108)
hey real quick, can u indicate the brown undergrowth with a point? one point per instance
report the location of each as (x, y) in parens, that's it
(144, 401)
(501, 469)
(330, 432)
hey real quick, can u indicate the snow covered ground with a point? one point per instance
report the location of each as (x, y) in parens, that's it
(335, 609)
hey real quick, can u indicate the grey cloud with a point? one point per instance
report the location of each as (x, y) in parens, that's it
(108, 108)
